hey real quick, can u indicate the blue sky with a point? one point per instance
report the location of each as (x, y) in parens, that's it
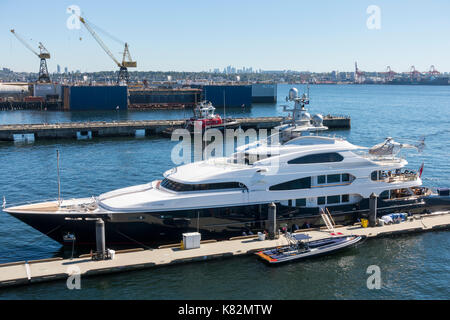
(198, 35)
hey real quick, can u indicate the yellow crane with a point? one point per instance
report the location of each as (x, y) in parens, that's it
(43, 55)
(126, 63)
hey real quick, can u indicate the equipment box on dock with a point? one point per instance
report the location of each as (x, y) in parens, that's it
(191, 240)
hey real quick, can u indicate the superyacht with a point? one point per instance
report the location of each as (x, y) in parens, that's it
(224, 197)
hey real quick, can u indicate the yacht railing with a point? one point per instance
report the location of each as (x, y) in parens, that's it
(401, 177)
(7, 205)
(382, 158)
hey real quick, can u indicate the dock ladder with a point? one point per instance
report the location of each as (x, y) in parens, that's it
(328, 219)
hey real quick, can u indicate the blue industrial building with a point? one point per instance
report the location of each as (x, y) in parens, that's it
(228, 95)
(95, 98)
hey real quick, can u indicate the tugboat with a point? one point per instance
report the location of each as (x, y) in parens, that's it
(205, 118)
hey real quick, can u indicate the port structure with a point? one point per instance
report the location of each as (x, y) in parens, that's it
(413, 75)
(433, 71)
(389, 74)
(43, 55)
(127, 61)
(359, 75)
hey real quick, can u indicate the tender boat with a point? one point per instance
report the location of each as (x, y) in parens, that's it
(299, 249)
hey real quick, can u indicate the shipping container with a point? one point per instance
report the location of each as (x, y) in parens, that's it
(228, 95)
(96, 98)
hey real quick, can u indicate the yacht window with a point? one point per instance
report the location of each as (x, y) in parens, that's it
(321, 179)
(345, 177)
(374, 176)
(303, 183)
(345, 198)
(318, 158)
(320, 200)
(333, 178)
(249, 159)
(333, 199)
(300, 202)
(384, 194)
(176, 186)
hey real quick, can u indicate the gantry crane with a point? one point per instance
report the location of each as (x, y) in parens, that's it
(433, 71)
(389, 74)
(126, 63)
(43, 55)
(413, 73)
(359, 75)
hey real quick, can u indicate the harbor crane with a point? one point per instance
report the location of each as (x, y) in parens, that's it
(413, 73)
(433, 71)
(43, 55)
(126, 63)
(359, 75)
(389, 74)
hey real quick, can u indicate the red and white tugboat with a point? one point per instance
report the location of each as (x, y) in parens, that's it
(204, 115)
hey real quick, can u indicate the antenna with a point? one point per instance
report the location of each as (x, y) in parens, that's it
(59, 181)
(224, 112)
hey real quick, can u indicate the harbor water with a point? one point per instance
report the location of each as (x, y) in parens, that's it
(412, 267)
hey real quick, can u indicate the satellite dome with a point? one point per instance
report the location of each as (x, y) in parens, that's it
(306, 116)
(317, 120)
(293, 93)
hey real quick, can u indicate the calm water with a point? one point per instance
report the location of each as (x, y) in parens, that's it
(412, 267)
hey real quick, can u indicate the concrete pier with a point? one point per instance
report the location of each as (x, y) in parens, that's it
(71, 130)
(272, 221)
(29, 272)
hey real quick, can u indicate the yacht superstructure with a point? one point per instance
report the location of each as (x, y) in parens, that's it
(223, 197)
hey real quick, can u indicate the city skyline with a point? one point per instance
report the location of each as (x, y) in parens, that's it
(204, 35)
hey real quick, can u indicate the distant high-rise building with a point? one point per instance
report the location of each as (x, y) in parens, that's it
(58, 69)
(66, 71)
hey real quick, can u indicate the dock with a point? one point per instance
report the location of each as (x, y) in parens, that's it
(75, 130)
(29, 272)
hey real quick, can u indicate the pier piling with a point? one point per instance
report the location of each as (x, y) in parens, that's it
(373, 210)
(272, 221)
(100, 237)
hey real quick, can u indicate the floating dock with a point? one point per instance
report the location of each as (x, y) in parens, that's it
(73, 130)
(29, 272)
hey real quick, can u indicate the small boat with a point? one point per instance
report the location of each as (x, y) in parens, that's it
(300, 249)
